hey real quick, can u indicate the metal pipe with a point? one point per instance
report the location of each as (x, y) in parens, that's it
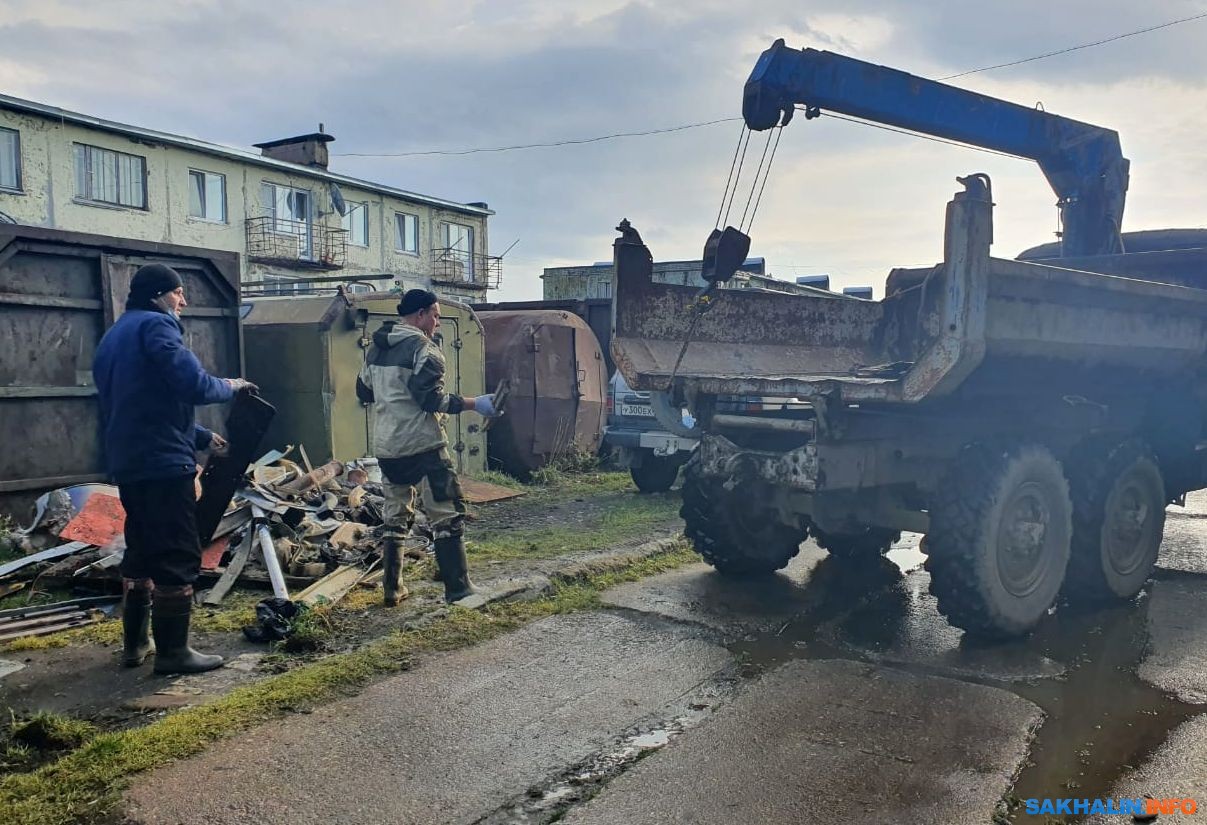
(316, 478)
(271, 563)
(750, 422)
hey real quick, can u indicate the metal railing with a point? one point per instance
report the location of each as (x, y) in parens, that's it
(456, 266)
(296, 243)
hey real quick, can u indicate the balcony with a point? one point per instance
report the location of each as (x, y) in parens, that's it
(298, 244)
(460, 268)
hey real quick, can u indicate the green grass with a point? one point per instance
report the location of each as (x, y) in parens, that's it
(624, 519)
(85, 786)
(39, 595)
(27, 743)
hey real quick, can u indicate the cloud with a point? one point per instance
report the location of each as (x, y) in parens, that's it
(406, 76)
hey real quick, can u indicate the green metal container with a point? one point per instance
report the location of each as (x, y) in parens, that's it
(305, 353)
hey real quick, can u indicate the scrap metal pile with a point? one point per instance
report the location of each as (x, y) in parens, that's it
(309, 534)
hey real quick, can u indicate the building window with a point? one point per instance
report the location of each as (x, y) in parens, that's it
(105, 176)
(459, 246)
(289, 210)
(406, 233)
(281, 285)
(207, 196)
(10, 160)
(356, 223)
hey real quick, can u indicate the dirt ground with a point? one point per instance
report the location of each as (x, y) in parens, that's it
(511, 545)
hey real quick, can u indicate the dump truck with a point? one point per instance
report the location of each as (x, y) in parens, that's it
(1032, 418)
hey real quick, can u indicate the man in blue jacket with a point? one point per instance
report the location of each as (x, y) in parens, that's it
(147, 383)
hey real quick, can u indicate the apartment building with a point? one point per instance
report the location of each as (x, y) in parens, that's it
(293, 222)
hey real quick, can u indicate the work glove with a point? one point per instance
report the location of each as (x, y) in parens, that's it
(242, 385)
(484, 405)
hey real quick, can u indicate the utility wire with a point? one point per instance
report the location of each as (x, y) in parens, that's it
(1077, 48)
(859, 122)
(574, 142)
(686, 126)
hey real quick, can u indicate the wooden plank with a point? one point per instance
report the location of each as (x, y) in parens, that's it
(227, 581)
(482, 492)
(47, 392)
(332, 587)
(45, 631)
(49, 301)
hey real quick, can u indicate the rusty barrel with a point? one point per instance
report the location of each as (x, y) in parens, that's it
(558, 379)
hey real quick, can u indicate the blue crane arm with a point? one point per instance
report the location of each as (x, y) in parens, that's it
(1083, 163)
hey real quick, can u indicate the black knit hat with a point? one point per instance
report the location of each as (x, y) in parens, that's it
(415, 300)
(150, 282)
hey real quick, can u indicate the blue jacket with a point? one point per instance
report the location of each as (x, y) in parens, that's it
(148, 382)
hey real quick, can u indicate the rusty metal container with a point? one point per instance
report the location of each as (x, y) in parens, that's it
(59, 292)
(558, 381)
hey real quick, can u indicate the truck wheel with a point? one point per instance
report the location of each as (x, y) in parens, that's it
(1118, 520)
(867, 543)
(732, 532)
(1000, 533)
(656, 473)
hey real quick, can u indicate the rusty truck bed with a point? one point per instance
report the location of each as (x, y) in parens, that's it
(934, 330)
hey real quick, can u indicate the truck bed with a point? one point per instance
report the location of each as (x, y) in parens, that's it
(932, 332)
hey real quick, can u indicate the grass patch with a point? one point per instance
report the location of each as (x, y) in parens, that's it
(622, 520)
(85, 785)
(34, 597)
(27, 743)
(500, 479)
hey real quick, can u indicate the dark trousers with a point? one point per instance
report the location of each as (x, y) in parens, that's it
(431, 474)
(161, 531)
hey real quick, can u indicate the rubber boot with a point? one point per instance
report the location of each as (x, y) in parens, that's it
(136, 623)
(454, 568)
(170, 613)
(391, 582)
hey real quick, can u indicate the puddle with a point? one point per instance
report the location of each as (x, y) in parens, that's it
(8, 667)
(1080, 667)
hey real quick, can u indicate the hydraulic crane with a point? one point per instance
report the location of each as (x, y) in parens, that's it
(1083, 163)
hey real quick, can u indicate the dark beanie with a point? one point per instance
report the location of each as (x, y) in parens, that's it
(150, 282)
(415, 300)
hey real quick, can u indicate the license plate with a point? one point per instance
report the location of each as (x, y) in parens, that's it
(640, 410)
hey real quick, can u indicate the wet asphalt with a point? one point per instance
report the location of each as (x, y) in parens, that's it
(828, 693)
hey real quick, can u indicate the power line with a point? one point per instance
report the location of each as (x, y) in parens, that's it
(1077, 48)
(922, 136)
(686, 126)
(574, 142)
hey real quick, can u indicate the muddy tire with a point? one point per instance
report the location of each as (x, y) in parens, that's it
(868, 543)
(999, 541)
(656, 473)
(731, 532)
(1118, 520)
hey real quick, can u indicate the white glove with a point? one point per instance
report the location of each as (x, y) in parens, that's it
(484, 405)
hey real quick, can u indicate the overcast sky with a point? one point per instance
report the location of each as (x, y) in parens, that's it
(400, 76)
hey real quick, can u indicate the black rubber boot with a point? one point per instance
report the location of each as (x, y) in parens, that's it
(136, 626)
(391, 582)
(170, 613)
(454, 568)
